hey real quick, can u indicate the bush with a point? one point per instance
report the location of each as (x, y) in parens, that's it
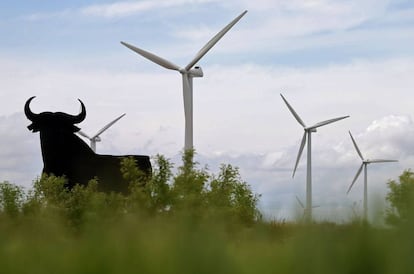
(401, 199)
(11, 199)
(230, 197)
(192, 192)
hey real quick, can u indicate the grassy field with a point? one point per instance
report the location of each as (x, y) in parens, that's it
(133, 244)
(101, 237)
(197, 223)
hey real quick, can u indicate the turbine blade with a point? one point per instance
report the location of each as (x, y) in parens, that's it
(323, 123)
(302, 145)
(152, 57)
(381, 161)
(84, 134)
(300, 202)
(213, 41)
(107, 126)
(293, 112)
(356, 146)
(356, 177)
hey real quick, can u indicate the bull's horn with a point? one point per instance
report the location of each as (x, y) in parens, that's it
(81, 116)
(29, 114)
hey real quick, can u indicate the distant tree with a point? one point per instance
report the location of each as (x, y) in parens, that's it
(11, 199)
(189, 186)
(230, 196)
(193, 191)
(400, 198)
(149, 194)
(81, 204)
(158, 186)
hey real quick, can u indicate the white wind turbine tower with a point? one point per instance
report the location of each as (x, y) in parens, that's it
(303, 206)
(95, 138)
(364, 165)
(307, 134)
(188, 73)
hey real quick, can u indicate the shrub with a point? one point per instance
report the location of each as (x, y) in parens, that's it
(400, 198)
(193, 192)
(11, 199)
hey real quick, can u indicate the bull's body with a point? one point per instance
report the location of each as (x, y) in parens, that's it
(65, 154)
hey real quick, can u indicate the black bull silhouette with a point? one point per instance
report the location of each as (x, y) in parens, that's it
(65, 154)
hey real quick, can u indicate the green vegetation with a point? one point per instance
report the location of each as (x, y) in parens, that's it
(401, 199)
(188, 222)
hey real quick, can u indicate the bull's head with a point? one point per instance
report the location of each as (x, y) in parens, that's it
(50, 120)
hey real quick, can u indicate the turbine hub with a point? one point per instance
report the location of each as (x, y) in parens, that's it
(311, 129)
(196, 72)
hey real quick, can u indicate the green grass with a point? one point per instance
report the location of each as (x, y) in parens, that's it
(136, 244)
(191, 223)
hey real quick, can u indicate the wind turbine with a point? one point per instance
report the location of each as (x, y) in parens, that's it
(188, 73)
(364, 165)
(303, 206)
(95, 138)
(307, 134)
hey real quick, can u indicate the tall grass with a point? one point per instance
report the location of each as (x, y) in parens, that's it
(133, 244)
(166, 228)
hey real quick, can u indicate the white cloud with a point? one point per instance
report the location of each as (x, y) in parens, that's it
(241, 98)
(121, 9)
(389, 137)
(41, 16)
(20, 158)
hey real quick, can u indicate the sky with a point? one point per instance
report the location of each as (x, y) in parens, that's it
(328, 58)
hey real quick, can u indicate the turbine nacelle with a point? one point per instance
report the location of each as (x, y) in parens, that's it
(194, 72)
(311, 129)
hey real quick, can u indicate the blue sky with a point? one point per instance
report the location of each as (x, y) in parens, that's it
(292, 32)
(329, 58)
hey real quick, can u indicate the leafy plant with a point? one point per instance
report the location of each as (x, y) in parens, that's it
(193, 192)
(189, 186)
(233, 198)
(51, 229)
(401, 198)
(11, 199)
